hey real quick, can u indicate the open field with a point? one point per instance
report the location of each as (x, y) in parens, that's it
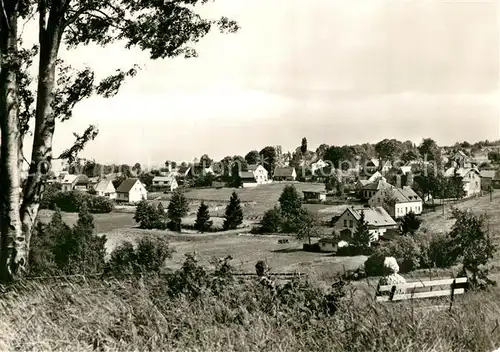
(247, 250)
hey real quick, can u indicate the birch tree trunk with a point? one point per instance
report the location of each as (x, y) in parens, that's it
(50, 31)
(11, 237)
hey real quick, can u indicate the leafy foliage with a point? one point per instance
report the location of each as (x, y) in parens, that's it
(410, 223)
(306, 225)
(149, 217)
(148, 256)
(234, 214)
(271, 221)
(73, 201)
(203, 222)
(470, 242)
(269, 158)
(252, 157)
(59, 249)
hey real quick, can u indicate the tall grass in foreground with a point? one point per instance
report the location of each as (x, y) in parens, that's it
(243, 316)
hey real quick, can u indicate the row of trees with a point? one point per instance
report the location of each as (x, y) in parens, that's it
(150, 217)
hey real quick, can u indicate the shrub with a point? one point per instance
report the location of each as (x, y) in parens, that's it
(100, 205)
(374, 265)
(49, 194)
(435, 250)
(406, 251)
(271, 221)
(149, 217)
(59, 249)
(148, 256)
(73, 201)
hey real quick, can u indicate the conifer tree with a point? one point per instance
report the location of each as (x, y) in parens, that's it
(234, 214)
(177, 209)
(203, 222)
(361, 237)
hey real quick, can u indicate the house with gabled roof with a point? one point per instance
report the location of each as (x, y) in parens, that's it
(284, 173)
(131, 190)
(471, 179)
(377, 218)
(259, 174)
(374, 177)
(370, 189)
(167, 183)
(105, 188)
(405, 200)
(68, 182)
(489, 178)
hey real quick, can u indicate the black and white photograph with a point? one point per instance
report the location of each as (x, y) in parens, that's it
(250, 175)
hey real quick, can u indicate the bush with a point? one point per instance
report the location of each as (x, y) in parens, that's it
(311, 247)
(73, 201)
(271, 221)
(49, 194)
(435, 251)
(149, 217)
(374, 265)
(405, 249)
(100, 205)
(58, 249)
(147, 257)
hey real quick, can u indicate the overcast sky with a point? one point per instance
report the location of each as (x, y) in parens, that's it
(336, 72)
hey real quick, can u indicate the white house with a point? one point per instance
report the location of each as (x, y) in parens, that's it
(260, 173)
(471, 179)
(165, 182)
(375, 177)
(406, 201)
(106, 189)
(131, 191)
(68, 182)
(379, 221)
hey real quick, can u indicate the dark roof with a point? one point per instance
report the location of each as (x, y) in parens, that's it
(284, 171)
(126, 185)
(247, 175)
(380, 184)
(252, 167)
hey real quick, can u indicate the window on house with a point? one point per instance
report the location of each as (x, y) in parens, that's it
(345, 223)
(351, 223)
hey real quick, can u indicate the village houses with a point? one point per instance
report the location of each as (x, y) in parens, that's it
(377, 218)
(405, 201)
(256, 175)
(131, 190)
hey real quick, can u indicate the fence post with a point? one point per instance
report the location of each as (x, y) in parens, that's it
(393, 291)
(453, 284)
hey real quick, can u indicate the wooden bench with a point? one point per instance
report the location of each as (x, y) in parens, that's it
(421, 289)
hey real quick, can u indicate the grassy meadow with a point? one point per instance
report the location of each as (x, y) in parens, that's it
(125, 316)
(247, 249)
